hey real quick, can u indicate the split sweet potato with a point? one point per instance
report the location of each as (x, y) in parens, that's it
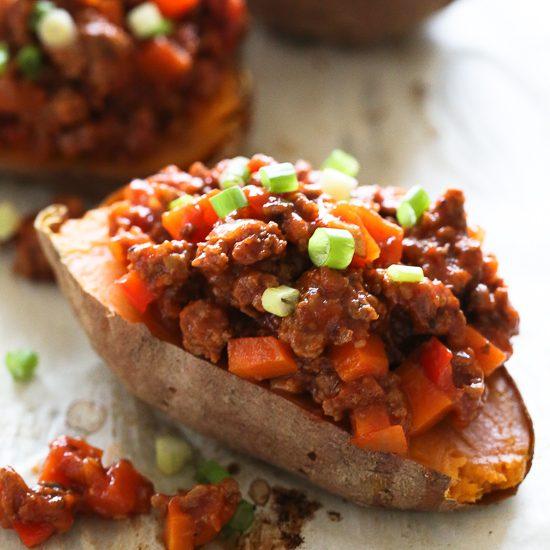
(349, 22)
(216, 129)
(445, 467)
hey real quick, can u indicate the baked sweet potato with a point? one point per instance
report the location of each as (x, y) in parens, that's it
(350, 22)
(446, 467)
(218, 127)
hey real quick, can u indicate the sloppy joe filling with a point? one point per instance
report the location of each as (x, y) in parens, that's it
(109, 78)
(386, 327)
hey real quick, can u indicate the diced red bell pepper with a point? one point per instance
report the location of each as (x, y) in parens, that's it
(176, 8)
(179, 530)
(136, 290)
(33, 534)
(388, 440)
(435, 359)
(257, 197)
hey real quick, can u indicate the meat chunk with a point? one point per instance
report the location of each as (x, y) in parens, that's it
(333, 309)
(245, 242)
(19, 503)
(162, 265)
(441, 246)
(205, 329)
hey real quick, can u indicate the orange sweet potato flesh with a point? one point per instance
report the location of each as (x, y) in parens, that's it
(445, 469)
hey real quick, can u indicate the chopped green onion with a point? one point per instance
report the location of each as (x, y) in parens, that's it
(415, 202)
(243, 517)
(405, 273)
(184, 200)
(4, 57)
(146, 21)
(280, 300)
(406, 216)
(29, 61)
(331, 247)
(343, 162)
(337, 184)
(10, 220)
(21, 364)
(56, 29)
(418, 198)
(228, 201)
(40, 8)
(235, 173)
(279, 178)
(210, 471)
(172, 453)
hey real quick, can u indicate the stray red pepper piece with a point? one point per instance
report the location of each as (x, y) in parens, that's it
(136, 290)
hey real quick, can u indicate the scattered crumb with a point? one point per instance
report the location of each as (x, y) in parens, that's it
(280, 528)
(312, 456)
(334, 516)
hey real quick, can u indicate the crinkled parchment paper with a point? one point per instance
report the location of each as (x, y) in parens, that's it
(465, 102)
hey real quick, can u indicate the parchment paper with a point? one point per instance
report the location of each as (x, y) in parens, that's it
(465, 102)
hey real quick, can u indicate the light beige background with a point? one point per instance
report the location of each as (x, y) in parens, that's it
(465, 102)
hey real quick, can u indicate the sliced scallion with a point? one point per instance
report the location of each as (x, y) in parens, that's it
(4, 57)
(406, 216)
(40, 8)
(279, 178)
(337, 184)
(146, 21)
(10, 220)
(280, 300)
(243, 517)
(235, 173)
(331, 247)
(343, 162)
(172, 453)
(29, 61)
(21, 364)
(418, 198)
(405, 273)
(228, 201)
(183, 200)
(56, 28)
(209, 471)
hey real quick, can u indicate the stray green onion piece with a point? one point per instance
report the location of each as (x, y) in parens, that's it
(209, 471)
(416, 201)
(343, 162)
(184, 200)
(29, 61)
(280, 300)
(56, 29)
(4, 57)
(21, 364)
(331, 247)
(172, 453)
(235, 173)
(405, 273)
(337, 184)
(279, 178)
(10, 220)
(406, 216)
(40, 9)
(228, 201)
(146, 21)
(243, 517)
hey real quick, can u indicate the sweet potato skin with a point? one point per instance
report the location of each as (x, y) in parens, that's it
(243, 415)
(218, 132)
(347, 22)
